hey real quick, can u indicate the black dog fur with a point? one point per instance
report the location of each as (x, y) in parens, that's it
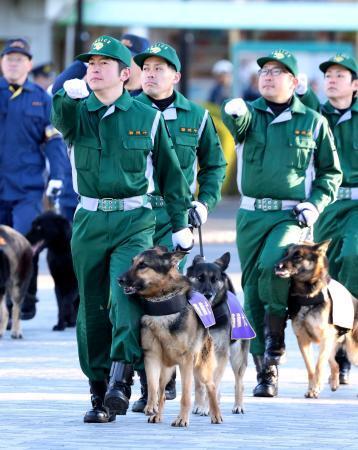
(53, 231)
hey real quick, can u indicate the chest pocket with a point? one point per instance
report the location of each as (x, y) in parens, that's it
(185, 147)
(87, 153)
(254, 148)
(300, 151)
(135, 152)
(34, 120)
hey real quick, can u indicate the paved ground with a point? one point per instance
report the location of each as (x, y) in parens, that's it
(43, 394)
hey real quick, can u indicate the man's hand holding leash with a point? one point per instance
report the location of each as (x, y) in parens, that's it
(306, 214)
(183, 240)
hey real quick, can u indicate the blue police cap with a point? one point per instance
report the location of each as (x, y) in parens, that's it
(134, 43)
(18, 45)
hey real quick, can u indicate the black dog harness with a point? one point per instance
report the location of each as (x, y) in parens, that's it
(163, 306)
(297, 301)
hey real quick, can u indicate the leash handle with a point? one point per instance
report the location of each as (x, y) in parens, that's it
(201, 243)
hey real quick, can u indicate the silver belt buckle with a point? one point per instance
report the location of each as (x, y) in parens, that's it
(107, 204)
(268, 204)
(344, 193)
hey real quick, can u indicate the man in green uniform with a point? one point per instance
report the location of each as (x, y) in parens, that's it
(196, 144)
(117, 144)
(288, 172)
(339, 221)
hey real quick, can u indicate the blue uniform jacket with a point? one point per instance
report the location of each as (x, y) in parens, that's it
(27, 138)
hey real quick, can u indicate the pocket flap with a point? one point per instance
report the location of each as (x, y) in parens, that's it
(183, 139)
(88, 142)
(138, 143)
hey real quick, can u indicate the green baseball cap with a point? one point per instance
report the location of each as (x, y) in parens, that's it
(108, 46)
(342, 60)
(161, 50)
(282, 56)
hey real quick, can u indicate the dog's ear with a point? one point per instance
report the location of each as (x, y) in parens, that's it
(198, 259)
(175, 257)
(223, 261)
(322, 247)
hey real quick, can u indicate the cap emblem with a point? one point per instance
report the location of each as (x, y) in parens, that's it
(155, 49)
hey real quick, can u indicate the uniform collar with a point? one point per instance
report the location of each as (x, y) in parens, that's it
(27, 86)
(123, 102)
(180, 101)
(296, 106)
(328, 108)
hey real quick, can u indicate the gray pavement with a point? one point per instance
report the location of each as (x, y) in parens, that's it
(43, 393)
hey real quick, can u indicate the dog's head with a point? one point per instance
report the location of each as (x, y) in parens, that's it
(154, 273)
(210, 279)
(47, 228)
(306, 262)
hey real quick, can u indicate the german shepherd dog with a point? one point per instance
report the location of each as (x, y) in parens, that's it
(53, 231)
(171, 336)
(310, 309)
(211, 280)
(15, 276)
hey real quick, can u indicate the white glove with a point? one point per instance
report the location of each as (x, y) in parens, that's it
(302, 86)
(54, 188)
(76, 88)
(183, 239)
(198, 214)
(306, 213)
(236, 107)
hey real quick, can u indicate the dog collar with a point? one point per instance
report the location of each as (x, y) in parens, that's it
(305, 300)
(163, 306)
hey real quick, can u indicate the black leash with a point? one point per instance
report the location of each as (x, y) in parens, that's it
(201, 243)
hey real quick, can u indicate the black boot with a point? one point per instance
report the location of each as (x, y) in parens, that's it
(274, 339)
(267, 378)
(170, 388)
(139, 405)
(119, 388)
(99, 413)
(344, 366)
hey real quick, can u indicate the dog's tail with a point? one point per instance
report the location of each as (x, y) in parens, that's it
(4, 271)
(351, 341)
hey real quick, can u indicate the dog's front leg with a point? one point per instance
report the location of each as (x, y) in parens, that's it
(200, 403)
(15, 314)
(238, 359)
(205, 368)
(4, 315)
(165, 375)
(152, 366)
(186, 373)
(325, 350)
(334, 377)
(306, 351)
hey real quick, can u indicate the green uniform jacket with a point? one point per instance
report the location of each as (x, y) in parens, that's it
(116, 149)
(345, 131)
(196, 142)
(289, 157)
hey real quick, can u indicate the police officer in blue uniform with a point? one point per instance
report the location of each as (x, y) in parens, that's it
(27, 139)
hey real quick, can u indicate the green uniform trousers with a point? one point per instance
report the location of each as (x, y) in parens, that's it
(103, 245)
(262, 239)
(163, 233)
(339, 222)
